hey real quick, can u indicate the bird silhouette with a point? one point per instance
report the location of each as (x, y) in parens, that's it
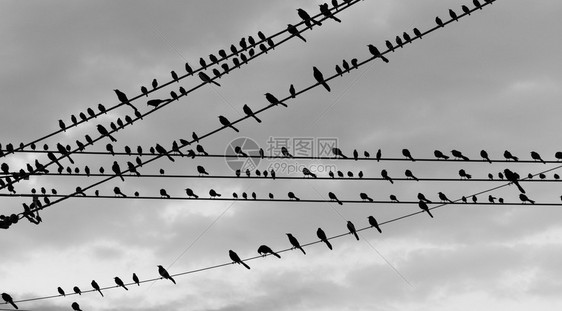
(164, 274)
(453, 15)
(418, 33)
(464, 174)
(514, 178)
(77, 290)
(136, 279)
(366, 154)
(292, 196)
(236, 259)
(75, 306)
(322, 236)
(385, 176)
(273, 100)
(62, 150)
(326, 12)
(458, 155)
(465, 9)
(338, 153)
(164, 194)
(264, 250)
(409, 174)
(62, 125)
(119, 282)
(393, 198)
(491, 199)
(424, 207)
(422, 197)
(484, 156)
(154, 83)
(373, 222)
(477, 4)
(205, 78)
(320, 78)
(214, 194)
(333, 197)
(117, 191)
(439, 155)
(444, 198)
(406, 36)
(239, 151)
(8, 299)
(525, 198)
(307, 19)
(355, 154)
(351, 228)
(295, 32)
(144, 91)
(439, 22)
(61, 291)
(508, 156)
(389, 45)
(345, 65)
(117, 170)
(376, 53)
(535, 156)
(103, 131)
(307, 172)
(248, 111)
(474, 199)
(96, 287)
(224, 121)
(123, 98)
(201, 150)
(132, 168)
(399, 41)
(365, 197)
(271, 196)
(156, 102)
(558, 155)
(378, 155)
(245, 195)
(295, 242)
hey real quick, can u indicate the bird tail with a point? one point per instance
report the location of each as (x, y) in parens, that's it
(339, 202)
(257, 119)
(302, 250)
(328, 244)
(370, 199)
(172, 279)
(245, 265)
(379, 229)
(297, 199)
(125, 287)
(112, 138)
(100, 293)
(326, 86)
(384, 59)
(275, 254)
(13, 305)
(214, 82)
(427, 210)
(465, 158)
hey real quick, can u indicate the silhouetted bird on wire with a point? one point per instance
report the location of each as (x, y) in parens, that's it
(136, 279)
(514, 178)
(292, 91)
(295, 242)
(444, 198)
(214, 194)
(117, 170)
(144, 91)
(477, 4)
(273, 100)
(399, 41)
(422, 197)
(389, 45)
(535, 156)
(365, 197)
(75, 306)
(385, 176)
(236, 259)
(248, 111)
(484, 156)
(351, 228)
(120, 283)
(295, 32)
(373, 222)
(376, 53)
(164, 194)
(224, 121)
(117, 191)
(338, 153)
(322, 236)
(453, 15)
(162, 151)
(439, 155)
(8, 299)
(62, 125)
(418, 33)
(407, 154)
(439, 22)
(96, 287)
(61, 291)
(409, 174)
(164, 274)
(424, 207)
(320, 78)
(123, 98)
(156, 102)
(264, 250)
(525, 198)
(307, 19)
(307, 172)
(292, 196)
(458, 155)
(508, 156)
(326, 12)
(77, 290)
(333, 197)
(465, 9)
(285, 152)
(464, 174)
(205, 78)
(103, 131)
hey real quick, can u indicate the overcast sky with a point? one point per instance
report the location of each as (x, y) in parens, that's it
(491, 81)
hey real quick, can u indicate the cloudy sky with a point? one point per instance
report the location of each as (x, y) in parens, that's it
(491, 81)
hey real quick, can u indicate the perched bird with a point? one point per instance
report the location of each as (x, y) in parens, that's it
(373, 222)
(307, 19)
(524, 199)
(322, 236)
(62, 125)
(333, 197)
(103, 131)
(366, 154)
(109, 148)
(439, 155)
(292, 196)
(117, 191)
(292, 91)
(156, 102)
(477, 4)
(378, 155)
(295, 32)
(214, 194)
(164, 274)
(239, 151)
(273, 100)
(136, 279)
(154, 83)
(439, 22)
(326, 12)
(507, 155)
(409, 174)
(355, 154)
(164, 194)
(393, 198)
(458, 155)
(389, 45)
(514, 178)
(351, 228)
(406, 36)
(307, 172)
(224, 121)
(453, 15)
(248, 111)
(271, 196)
(205, 78)
(338, 153)
(77, 290)
(376, 53)
(320, 78)
(385, 176)
(465, 9)
(75, 306)
(96, 287)
(144, 91)
(558, 155)
(234, 195)
(418, 33)
(295, 242)
(399, 41)
(424, 207)
(360, 174)
(474, 199)
(117, 170)
(236, 259)
(464, 174)
(535, 156)
(484, 156)
(264, 250)
(491, 199)
(365, 197)
(123, 98)
(8, 299)
(444, 198)
(119, 282)
(345, 65)
(61, 291)
(422, 197)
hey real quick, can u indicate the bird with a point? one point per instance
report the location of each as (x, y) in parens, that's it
(224, 121)
(458, 155)
(117, 170)
(360, 174)
(439, 155)
(75, 306)
(123, 98)
(163, 193)
(61, 291)
(307, 172)
(453, 15)
(154, 83)
(424, 207)
(8, 299)
(351, 228)
(333, 197)
(326, 12)
(213, 58)
(422, 197)
(236, 259)
(264, 250)
(389, 45)
(345, 65)
(62, 125)
(385, 176)
(477, 4)
(409, 174)
(292, 196)
(376, 53)
(418, 33)
(366, 154)
(399, 41)
(62, 150)
(463, 173)
(535, 156)
(295, 242)
(322, 236)
(292, 91)
(205, 78)
(156, 102)
(406, 36)
(307, 19)
(407, 154)
(465, 9)
(338, 153)
(484, 156)
(378, 155)
(96, 287)
(254, 196)
(239, 151)
(295, 32)
(393, 198)
(201, 150)
(245, 195)
(144, 91)
(273, 100)
(365, 197)
(117, 191)
(558, 155)
(164, 274)
(444, 198)
(248, 111)
(320, 78)
(119, 282)
(439, 22)
(507, 155)
(214, 194)
(77, 290)
(103, 131)
(136, 279)
(175, 76)
(474, 199)
(491, 199)
(355, 154)
(524, 199)
(513, 177)
(271, 196)
(109, 147)
(373, 222)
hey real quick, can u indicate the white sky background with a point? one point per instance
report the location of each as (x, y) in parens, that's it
(491, 81)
